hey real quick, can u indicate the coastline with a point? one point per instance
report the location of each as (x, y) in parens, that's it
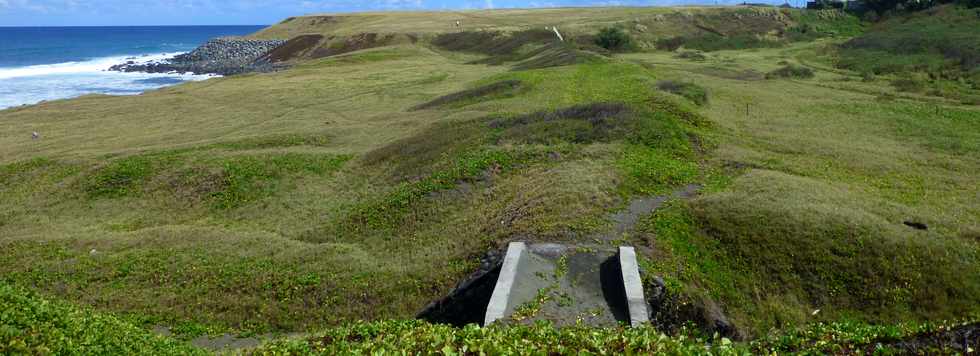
(219, 56)
(43, 64)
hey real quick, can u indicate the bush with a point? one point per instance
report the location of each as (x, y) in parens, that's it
(867, 76)
(693, 92)
(791, 71)
(614, 39)
(670, 44)
(908, 85)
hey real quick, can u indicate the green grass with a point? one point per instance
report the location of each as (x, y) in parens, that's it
(649, 170)
(225, 183)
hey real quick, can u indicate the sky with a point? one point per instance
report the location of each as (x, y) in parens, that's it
(252, 12)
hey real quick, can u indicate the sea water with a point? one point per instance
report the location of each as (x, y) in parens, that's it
(48, 63)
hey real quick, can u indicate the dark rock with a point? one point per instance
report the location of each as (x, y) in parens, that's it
(222, 56)
(656, 293)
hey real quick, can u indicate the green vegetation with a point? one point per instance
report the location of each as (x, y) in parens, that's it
(416, 337)
(364, 185)
(939, 44)
(791, 71)
(614, 39)
(754, 28)
(690, 91)
(30, 324)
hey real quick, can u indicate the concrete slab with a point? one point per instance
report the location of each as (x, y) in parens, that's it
(500, 300)
(635, 302)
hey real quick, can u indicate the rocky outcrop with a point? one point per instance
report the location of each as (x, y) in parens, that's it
(223, 56)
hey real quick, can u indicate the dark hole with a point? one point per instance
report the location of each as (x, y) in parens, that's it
(467, 304)
(916, 225)
(613, 288)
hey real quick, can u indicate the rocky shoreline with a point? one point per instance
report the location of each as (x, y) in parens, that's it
(221, 56)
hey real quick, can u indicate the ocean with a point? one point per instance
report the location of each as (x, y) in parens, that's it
(47, 63)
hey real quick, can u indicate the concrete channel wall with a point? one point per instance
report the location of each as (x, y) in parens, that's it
(604, 280)
(505, 283)
(633, 285)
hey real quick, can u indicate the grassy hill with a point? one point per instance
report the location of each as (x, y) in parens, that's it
(365, 183)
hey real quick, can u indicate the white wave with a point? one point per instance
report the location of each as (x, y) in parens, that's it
(33, 84)
(90, 66)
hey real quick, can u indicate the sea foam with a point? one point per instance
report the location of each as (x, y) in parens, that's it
(36, 83)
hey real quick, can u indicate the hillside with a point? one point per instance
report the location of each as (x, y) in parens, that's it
(366, 181)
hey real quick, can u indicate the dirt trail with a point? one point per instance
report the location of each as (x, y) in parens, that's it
(626, 220)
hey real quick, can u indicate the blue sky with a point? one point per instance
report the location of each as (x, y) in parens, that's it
(248, 12)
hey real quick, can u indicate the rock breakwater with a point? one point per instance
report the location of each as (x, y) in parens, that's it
(222, 56)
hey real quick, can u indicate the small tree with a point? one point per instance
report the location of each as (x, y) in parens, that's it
(614, 39)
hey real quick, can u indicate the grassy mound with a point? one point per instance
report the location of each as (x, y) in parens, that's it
(941, 40)
(224, 183)
(826, 249)
(30, 324)
(939, 44)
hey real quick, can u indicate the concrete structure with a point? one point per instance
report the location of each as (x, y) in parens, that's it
(567, 285)
(633, 285)
(500, 299)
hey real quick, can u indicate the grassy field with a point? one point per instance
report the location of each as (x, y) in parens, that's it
(362, 186)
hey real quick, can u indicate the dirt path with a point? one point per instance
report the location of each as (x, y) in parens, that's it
(626, 220)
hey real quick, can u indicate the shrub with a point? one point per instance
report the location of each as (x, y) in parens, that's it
(791, 71)
(693, 92)
(614, 39)
(670, 44)
(908, 85)
(867, 76)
